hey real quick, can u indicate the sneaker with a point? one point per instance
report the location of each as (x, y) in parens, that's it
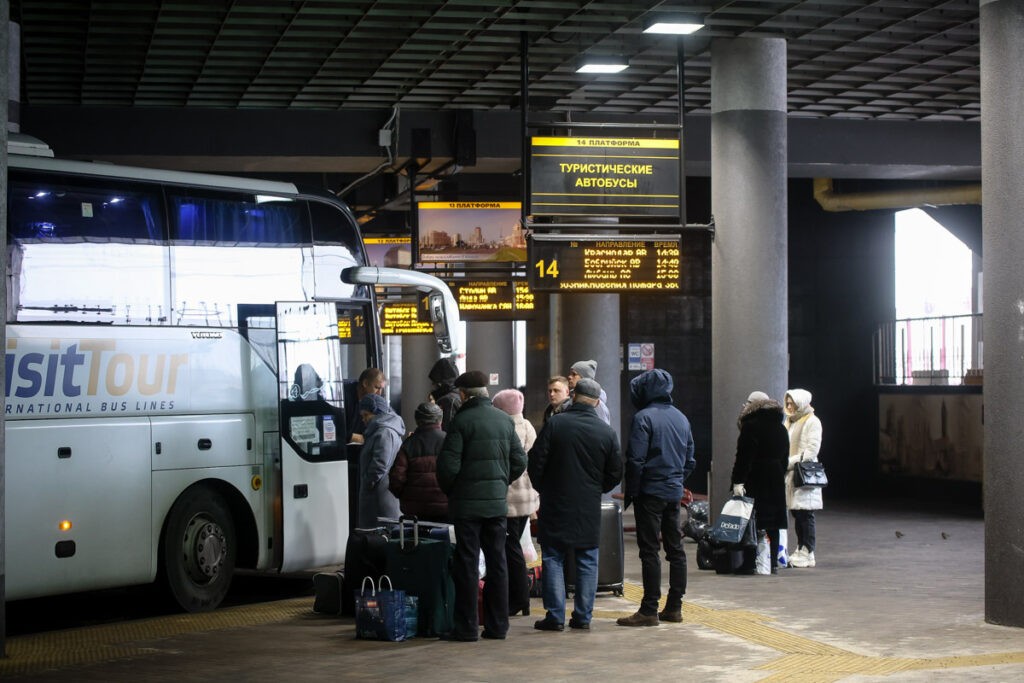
(802, 558)
(675, 616)
(548, 624)
(638, 619)
(580, 625)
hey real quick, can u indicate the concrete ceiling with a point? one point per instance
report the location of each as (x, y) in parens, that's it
(275, 86)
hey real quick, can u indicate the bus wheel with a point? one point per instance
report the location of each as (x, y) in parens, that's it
(198, 550)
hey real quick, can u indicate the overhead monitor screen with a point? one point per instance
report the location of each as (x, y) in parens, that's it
(463, 232)
(591, 263)
(481, 300)
(389, 252)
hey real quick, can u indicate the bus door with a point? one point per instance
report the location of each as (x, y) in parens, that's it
(320, 345)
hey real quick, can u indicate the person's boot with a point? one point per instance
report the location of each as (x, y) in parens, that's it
(638, 619)
(673, 615)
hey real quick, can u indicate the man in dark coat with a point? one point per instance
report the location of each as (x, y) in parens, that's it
(481, 455)
(659, 458)
(444, 393)
(762, 456)
(575, 459)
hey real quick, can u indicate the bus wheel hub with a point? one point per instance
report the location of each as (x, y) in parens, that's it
(205, 548)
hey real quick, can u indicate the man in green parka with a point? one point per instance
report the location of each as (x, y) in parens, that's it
(480, 457)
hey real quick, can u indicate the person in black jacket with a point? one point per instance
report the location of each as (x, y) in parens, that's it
(444, 393)
(575, 459)
(413, 477)
(659, 458)
(762, 455)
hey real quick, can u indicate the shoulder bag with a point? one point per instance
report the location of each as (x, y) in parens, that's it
(810, 473)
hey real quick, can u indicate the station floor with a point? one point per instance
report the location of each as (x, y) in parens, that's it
(897, 595)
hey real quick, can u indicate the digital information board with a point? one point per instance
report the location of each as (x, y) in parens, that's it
(604, 177)
(592, 263)
(482, 300)
(403, 318)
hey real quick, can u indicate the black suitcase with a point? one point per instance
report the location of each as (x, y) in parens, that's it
(439, 531)
(733, 559)
(365, 555)
(611, 568)
(328, 587)
(422, 567)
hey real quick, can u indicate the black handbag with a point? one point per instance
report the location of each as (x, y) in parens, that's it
(810, 473)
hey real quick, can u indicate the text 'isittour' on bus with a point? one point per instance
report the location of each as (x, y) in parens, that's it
(182, 354)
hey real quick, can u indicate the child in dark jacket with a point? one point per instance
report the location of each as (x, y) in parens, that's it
(413, 478)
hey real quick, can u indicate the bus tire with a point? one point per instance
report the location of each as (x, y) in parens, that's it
(198, 550)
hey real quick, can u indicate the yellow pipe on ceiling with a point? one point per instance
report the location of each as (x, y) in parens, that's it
(893, 199)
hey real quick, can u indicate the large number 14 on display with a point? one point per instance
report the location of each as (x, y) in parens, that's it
(550, 270)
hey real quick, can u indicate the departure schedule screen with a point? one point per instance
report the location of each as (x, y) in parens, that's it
(619, 263)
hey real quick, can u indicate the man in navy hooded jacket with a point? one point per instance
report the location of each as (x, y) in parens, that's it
(659, 458)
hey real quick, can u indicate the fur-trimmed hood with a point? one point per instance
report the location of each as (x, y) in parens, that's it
(768, 406)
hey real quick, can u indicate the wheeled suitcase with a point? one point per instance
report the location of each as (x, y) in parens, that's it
(611, 567)
(365, 555)
(422, 567)
(437, 530)
(327, 589)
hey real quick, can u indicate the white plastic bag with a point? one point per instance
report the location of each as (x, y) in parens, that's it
(783, 553)
(763, 561)
(529, 551)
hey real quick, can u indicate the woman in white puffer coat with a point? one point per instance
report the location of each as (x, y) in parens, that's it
(523, 502)
(804, 443)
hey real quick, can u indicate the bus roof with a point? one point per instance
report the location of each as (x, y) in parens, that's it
(29, 153)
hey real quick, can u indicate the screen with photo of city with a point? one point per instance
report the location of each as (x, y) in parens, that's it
(389, 252)
(478, 232)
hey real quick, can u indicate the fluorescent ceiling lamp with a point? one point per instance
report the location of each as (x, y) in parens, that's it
(603, 64)
(674, 25)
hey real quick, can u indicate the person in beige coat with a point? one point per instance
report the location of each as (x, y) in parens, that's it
(523, 501)
(804, 443)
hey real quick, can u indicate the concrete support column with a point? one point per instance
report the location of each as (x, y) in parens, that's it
(588, 329)
(749, 311)
(1002, 176)
(419, 353)
(489, 349)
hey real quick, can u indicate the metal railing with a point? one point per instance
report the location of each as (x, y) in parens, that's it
(929, 351)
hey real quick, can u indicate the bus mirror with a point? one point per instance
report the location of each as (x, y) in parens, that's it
(442, 333)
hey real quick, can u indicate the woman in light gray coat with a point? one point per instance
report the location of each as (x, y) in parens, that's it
(383, 438)
(804, 443)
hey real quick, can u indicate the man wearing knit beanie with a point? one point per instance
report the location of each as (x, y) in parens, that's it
(587, 369)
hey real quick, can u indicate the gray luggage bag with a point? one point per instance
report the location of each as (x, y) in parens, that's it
(611, 567)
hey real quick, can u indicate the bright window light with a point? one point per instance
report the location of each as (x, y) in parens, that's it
(933, 268)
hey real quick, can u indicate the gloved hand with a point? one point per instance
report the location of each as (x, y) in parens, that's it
(739, 490)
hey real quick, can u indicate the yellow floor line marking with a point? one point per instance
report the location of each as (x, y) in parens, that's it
(803, 660)
(807, 660)
(89, 645)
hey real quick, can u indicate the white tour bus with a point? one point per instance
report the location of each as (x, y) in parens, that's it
(182, 352)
